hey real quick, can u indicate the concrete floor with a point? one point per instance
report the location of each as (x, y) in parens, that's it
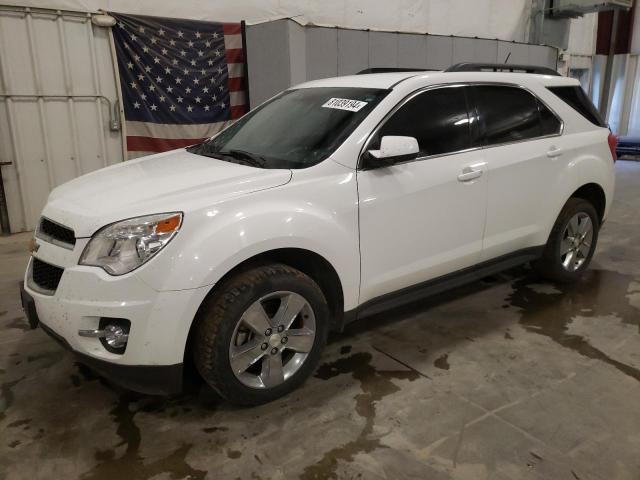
(507, 379)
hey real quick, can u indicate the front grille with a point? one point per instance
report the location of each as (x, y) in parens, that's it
(46, 276)
(49, 230)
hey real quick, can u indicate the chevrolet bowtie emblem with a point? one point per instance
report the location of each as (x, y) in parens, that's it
(33, 246)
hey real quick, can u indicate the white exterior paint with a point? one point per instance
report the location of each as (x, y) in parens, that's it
(66, 131)
(381, 229)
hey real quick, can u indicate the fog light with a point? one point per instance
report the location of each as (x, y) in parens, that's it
(112, 332)
(115, 336)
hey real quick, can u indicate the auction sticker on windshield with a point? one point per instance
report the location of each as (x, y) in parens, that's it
(345, 104)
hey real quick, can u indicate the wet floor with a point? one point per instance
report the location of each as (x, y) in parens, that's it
(508, 378)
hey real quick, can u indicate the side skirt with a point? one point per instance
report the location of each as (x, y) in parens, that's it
(442, 284)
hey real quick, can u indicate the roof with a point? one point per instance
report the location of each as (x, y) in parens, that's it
(389, 80)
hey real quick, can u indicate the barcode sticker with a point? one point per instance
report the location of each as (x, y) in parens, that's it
(345, 104)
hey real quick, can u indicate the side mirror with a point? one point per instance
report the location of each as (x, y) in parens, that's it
(392, 149)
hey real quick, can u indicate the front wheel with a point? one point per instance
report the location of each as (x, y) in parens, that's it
(572, 242)
(260, 335)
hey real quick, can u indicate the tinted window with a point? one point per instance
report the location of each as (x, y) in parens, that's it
(550, 123)
(576, 97)
(509, 114)
(438, 119)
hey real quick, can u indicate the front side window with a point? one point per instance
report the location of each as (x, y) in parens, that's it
(437, 118)
(297, 129)
(509, 114)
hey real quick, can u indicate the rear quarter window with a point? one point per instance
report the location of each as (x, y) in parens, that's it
(575, 97)
(548, 121)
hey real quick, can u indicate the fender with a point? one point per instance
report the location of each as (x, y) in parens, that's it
(296, 215)
(591, 164)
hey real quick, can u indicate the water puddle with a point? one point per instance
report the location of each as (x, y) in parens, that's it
(550, 312)
(375, 385)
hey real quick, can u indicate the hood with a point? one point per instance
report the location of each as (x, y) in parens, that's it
(170, 181)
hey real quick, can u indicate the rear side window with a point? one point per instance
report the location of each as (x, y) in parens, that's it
(437, 118)
(509, 114)
(577, 99)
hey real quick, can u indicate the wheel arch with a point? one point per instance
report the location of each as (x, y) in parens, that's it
(594, 194)
(312, 264)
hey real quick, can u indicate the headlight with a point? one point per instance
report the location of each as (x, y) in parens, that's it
(123, 246)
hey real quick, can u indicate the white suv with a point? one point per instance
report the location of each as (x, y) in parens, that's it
(333, 200)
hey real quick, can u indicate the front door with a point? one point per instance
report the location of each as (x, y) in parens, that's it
(423, 218)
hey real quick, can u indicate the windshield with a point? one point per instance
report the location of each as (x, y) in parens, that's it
(297, 129)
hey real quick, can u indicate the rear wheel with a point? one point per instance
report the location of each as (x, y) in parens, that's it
(260, 335)
(572, 242)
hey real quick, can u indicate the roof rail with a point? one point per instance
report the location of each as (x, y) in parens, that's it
(390, 69)
(500, 67)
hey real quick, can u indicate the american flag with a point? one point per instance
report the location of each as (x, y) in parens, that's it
(181, 80)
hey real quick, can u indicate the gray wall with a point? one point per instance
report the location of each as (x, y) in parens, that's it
(283, 53)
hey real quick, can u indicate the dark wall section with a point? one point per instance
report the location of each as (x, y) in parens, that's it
(623, 35)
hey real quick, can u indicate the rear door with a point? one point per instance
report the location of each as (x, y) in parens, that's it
(524, 152)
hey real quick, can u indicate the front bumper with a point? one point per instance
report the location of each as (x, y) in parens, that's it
(149, 379)
(160, 322)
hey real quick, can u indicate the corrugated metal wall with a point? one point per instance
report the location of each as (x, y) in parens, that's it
(58, 105)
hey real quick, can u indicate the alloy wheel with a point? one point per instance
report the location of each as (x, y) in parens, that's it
(576, 242)
(272, 339)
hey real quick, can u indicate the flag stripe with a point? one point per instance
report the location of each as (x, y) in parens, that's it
(232, 41)
(238, 99)
(232, 28)
(237, 112)
(236, 84)
(175, 131)
(235, 70)
(235, 55)
(159, 144)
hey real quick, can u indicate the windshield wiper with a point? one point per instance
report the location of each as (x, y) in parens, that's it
(233, 155)
(252, 159)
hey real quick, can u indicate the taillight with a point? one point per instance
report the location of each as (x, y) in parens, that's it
(613, 144)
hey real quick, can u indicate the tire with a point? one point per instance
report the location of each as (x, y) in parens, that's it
(554, 264)
(231, 323)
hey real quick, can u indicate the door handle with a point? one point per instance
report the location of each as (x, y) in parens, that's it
(554, 152)
(469, 174)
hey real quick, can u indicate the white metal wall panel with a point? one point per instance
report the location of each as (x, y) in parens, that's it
(412, 50)
(353, 51)
(383, 49)
(62, 129)
(269, 63)
(541, 55)
(439, 52)
(475, 50)
(629, 103)
(298, 53)
(322, 46)
(513, 53)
